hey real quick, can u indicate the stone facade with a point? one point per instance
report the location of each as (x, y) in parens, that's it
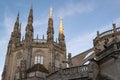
(44, 59)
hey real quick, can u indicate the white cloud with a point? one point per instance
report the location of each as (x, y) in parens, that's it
(3, 47)
(109, 26)
(39, 22)
(75, 8)
(9, 22)
(80, 43)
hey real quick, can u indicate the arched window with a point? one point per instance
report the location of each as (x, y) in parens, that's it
(57, 60)
(38, 59)
(17, 76)
(18, 59)
(57, 64)
(18, 62)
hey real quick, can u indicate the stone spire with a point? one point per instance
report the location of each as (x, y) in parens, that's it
(16, 34)
(29, 39)
(61, 37)
(30, 17)
(29, 27)
(50, 30)
(17, 20)
(16, 26)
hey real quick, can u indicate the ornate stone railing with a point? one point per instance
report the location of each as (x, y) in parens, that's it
(106, 33)
(39, 40)
(109, 32)
(35, 78)
(69, 73)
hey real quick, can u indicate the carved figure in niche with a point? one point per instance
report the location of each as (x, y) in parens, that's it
(97, 47)
(106, 42)
(115, 39)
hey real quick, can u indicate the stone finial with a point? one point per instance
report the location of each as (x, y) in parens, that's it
(114, 28)
(22, 38)
(37, 37)
(69, 55)
(56, 40)
(43, 37)
(98, 33)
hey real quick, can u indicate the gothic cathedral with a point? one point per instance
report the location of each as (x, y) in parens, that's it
(45, 59)
(33, 58)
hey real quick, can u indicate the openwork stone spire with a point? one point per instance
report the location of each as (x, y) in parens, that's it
(61, 37)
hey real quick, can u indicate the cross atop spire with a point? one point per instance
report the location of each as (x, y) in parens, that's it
(50, 12)
(61, 29)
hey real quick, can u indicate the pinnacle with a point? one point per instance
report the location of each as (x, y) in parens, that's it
(50, 12)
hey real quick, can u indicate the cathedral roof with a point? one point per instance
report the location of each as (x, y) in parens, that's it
(37, 67)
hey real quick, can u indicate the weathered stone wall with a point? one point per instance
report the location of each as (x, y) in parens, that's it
(11, 67)
(111, 68)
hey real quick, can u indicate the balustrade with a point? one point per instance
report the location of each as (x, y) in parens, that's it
(109, 32)
(78, 71)
(40, 40)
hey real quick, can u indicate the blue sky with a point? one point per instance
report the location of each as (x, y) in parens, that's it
(81, 19)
